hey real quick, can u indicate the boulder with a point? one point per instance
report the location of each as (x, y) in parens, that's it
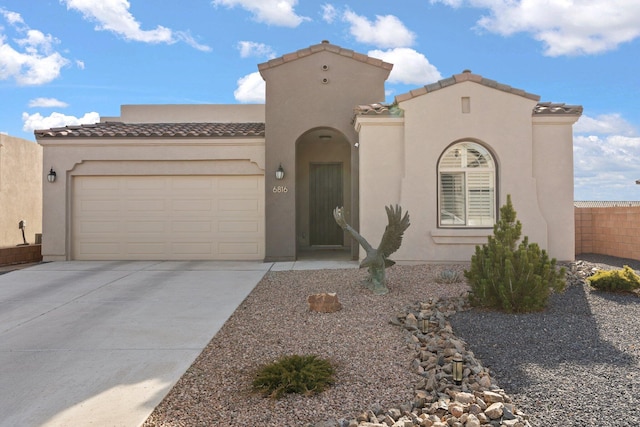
(324, 303)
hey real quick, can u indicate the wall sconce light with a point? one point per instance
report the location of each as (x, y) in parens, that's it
(51, 177)
(279, 173)
(458, 367)
(423, 325)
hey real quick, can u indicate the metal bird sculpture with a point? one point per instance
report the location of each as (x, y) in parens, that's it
(378, 259)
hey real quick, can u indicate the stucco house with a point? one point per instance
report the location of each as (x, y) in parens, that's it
(20, 190)
(259, 182)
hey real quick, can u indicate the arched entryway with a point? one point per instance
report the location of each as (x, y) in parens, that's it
(323, 181)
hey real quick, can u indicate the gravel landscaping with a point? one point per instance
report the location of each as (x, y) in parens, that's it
(575, 364)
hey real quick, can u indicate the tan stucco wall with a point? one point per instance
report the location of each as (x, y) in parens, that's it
(20, 189)
(132, 156)
(499, 120)
(300, 99)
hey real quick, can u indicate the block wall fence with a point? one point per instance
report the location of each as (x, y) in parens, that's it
(611, 231)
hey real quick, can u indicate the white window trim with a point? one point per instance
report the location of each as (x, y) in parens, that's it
(464, 172)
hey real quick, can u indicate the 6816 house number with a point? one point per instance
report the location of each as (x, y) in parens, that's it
(280, 189)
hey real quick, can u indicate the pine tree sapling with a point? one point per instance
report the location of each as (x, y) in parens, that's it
(509, 276)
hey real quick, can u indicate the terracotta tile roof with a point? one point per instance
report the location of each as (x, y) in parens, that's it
(328, 47)
(157, 130)
(464, 77)
(605, 204)
(548, 108)
(378, 109)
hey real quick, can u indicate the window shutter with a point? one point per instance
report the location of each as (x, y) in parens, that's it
(481, 206)
(452, 198)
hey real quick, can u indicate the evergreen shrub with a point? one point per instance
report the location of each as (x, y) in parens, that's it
(294, 374)
(512, 277)
(625, 280)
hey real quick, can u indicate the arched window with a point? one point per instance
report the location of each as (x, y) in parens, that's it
(467, 182)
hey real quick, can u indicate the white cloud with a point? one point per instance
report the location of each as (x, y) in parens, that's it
(54, 120)
(12, 18)
(114, 16)
(329, 13)
(34, 60)
(612, 124)
(248, 49)
(566, 27)
(251, 89)
(47, 103)
(606, 154)
(273, 12)
(606, 167)
(386, 32)
(409, 66)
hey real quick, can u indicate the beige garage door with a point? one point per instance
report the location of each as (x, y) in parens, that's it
(168, 218)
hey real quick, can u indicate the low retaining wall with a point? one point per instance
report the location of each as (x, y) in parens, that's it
(611, 231)
(20, 254)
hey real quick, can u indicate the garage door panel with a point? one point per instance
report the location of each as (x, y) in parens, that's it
(168, 217)
(238, 226)
(237, 249)
(191, 205)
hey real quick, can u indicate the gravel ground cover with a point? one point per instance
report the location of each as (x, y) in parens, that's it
(575, 364)
(371, 354)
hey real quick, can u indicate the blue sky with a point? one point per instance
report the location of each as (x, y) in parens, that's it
(72, 61)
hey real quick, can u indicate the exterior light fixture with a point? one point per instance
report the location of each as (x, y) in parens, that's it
(51, 177)
(279, 173)
(458, 367)
(423, 325)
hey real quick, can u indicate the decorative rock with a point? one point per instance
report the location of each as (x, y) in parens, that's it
(456, 410)
(491, 397)
(465, 398)
(472, 421)
(495, 410)
(324, 303)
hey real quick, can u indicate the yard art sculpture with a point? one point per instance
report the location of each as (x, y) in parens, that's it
(378, 259)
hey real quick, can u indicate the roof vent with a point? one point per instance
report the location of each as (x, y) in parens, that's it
(466, 71)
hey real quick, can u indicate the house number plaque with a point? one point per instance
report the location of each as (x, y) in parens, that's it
(280, 189)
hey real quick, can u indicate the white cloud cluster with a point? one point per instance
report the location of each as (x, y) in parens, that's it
(409, 66)
(566, 27)
(114, 16)
(272, 12)
(47, 103)
(249, 49)
(251, 89)
(35, 121)
(329, 13)
(606, 153)
(604, 124)
(386, 32)
(34, 61)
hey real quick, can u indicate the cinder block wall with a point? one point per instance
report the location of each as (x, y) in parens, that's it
(611, 231)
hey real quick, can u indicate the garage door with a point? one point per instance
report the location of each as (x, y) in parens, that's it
(168, 218)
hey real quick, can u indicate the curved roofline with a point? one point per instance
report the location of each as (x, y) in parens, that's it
(325, 46)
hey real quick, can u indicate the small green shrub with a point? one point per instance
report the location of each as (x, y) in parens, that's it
(508, 276)
(294, 374)
(625, 280)
(449, 276)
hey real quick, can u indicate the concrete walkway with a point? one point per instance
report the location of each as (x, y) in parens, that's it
(102, 343)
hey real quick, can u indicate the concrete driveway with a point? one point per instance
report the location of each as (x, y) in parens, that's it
(102, 343)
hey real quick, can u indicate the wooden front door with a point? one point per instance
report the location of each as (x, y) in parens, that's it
(325, 194)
